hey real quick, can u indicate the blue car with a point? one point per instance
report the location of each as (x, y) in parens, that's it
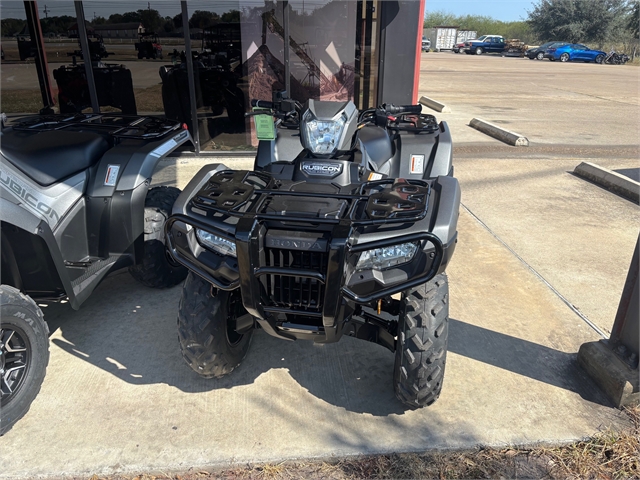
(574, 52)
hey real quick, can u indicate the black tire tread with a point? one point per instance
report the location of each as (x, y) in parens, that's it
(13, 296)
(421, 348)
(155, 271)
(202, 330)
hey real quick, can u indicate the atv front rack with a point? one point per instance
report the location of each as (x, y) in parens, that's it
(118, 126)
(238, 193)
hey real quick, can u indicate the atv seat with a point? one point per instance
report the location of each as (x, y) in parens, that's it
(48, 157)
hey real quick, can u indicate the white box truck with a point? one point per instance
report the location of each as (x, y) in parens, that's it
(442, 38)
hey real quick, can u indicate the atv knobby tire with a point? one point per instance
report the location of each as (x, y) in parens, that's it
(24, 345)
(157, 270)
(206, 328)
(421, 349)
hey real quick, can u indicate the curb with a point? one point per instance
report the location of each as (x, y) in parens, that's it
(499, 133)
(434, 105)
(610, 180)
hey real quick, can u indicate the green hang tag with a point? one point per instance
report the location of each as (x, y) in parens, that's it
(265, 127)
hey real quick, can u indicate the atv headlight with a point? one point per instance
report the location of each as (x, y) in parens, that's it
(215, 243)
(322, 136)
(385, 257)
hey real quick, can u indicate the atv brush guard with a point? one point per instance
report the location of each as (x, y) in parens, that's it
(309, 283)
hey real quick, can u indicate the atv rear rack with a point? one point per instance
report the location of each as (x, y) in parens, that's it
(238, 193)
(118, 126)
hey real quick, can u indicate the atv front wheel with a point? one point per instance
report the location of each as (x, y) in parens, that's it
(209, 342)
(421, 348)
(24, 354)
(157, 269)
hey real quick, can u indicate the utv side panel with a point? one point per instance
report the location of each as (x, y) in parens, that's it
(35, 236)
(71, 234)
(48, 203)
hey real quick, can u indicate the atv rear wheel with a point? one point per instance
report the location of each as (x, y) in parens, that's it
(157, 269)
(421, 348)
(209, 342)
(24, 354)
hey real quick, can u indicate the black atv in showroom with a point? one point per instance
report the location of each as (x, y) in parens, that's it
(75, 205)
(344, 227)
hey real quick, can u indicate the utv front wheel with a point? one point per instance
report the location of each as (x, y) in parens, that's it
(421, 348)
(157, 269)
(24, 354)
(207, 316)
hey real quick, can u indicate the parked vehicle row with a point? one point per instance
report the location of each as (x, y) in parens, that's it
(570, 52)
(561, 51)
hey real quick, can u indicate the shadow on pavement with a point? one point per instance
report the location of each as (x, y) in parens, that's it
(523, 357)
(130, 331)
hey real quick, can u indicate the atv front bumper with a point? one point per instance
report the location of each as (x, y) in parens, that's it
(297, 267)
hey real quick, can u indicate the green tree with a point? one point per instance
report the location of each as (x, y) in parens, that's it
(11, 26)
(167, 25)
(177, 21)
(232, 16)
(203, 19)
(633, 23)
(151, 20)
(115, 18)
(577, 20)
(483, 25)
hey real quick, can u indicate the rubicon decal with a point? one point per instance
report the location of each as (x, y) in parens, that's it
(28, 199)
(324, 169)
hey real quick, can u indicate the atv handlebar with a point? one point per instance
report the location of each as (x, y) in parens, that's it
(395, 109)
(261, 103)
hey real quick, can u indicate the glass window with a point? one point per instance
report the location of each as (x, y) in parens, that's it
(20, 87)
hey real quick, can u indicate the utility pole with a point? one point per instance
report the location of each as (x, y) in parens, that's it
(149, 6)
(46, 12)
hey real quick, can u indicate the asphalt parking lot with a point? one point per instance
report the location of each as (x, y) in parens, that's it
(534, 240)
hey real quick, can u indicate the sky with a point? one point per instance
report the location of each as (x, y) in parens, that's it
(505, 10)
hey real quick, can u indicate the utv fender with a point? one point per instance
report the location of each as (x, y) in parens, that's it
(194, 185)
(24, 220)
(444, 153)
(446, 223)
(127, 165)
(18, 216)
(143, 163)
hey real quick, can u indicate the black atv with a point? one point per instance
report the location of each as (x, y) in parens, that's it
(75, 205)
(343, 211)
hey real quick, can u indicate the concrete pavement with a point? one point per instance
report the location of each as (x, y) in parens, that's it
(119, 398)
(548, 102)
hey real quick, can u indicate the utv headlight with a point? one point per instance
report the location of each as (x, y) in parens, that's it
(215, 243)
(322, 136)
(386, 257)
